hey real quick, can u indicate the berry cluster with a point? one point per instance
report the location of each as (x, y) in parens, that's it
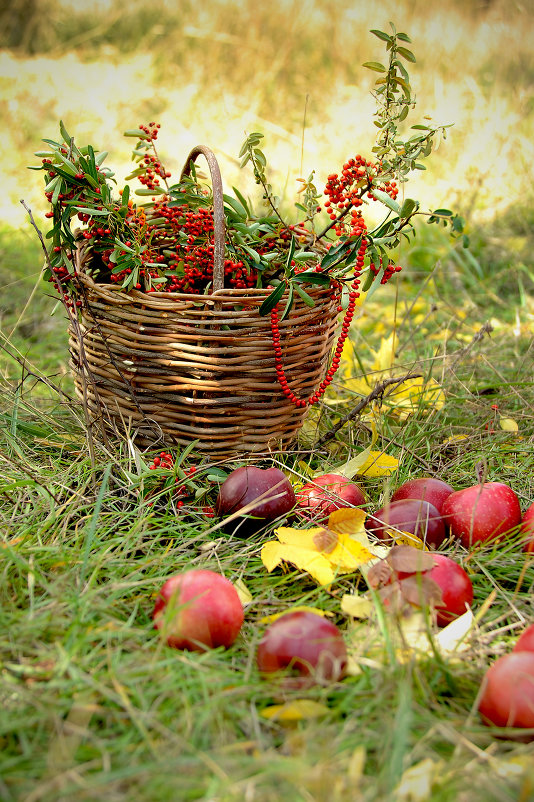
(389, 270)
(346, 191)
(165, 461)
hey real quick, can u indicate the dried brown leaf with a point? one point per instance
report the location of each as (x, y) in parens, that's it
(408, 559)
(421, 590)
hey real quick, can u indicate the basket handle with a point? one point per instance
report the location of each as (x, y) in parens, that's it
(218, 210)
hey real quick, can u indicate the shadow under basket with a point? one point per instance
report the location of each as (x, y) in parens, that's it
(169, 369)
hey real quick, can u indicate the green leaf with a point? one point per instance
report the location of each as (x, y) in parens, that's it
(252, 253)
(408, 207)
(63, 131)
(304, 256)
(289, 303)
(92, 212)
(420, 127)
(155, 191)
(308, 300)
(236, 206)
(125, 195)
(381, 35)
(244, 160)
(404, 37)
(374, 65)
(386, 200)
(137, 133)
(242, 200)
(407, 54)
(260, 157)
(311, 277)
(57, 190)
(272, 299)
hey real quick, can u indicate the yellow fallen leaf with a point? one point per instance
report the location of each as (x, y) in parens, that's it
(303, 608)
(416, 782)
(415, 395)
(274, 553)
(385, 355)
(405, 539)
(296, 710)
(508, 425)
(456, 438)
(349, 521)
(321, 552)
(245, 596)
(356, 765)
(378, 463)
(356, 606)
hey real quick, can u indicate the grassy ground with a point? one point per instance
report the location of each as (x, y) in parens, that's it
(92, 704)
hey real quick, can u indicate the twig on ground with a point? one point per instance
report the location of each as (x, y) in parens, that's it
(377, 392)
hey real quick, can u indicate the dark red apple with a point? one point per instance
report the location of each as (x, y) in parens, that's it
(525, 642)
(198, 610)
(306, 644)
(408, 515)
(435, 491)
(326, 493)
(241, 488)
(482, 513)
(527, 529)
(507, 698)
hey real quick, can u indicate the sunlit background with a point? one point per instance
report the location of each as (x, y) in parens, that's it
(212, 71)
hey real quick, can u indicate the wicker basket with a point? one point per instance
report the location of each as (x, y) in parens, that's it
(174, 368)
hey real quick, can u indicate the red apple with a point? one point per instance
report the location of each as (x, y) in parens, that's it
(507, 698)
(525, 642)
(527, 529)
(198, 610)
(456, 589)
(454, 583)
(243, 486)
(327, 493)
(427, 488)
(482, 513)
(409, 515)
(306, 643)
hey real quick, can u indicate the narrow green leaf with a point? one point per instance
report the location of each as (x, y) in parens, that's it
(272, 299)
(63, 131)
(155, 191)
(381, 35)
(242, 200)
(137, 133)
(374, 65)
(386, 200)
(404, 37)
(407, 54)
(311, 277)
(304, 256)
(236, 206)
(308, 300)
(289, 302)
